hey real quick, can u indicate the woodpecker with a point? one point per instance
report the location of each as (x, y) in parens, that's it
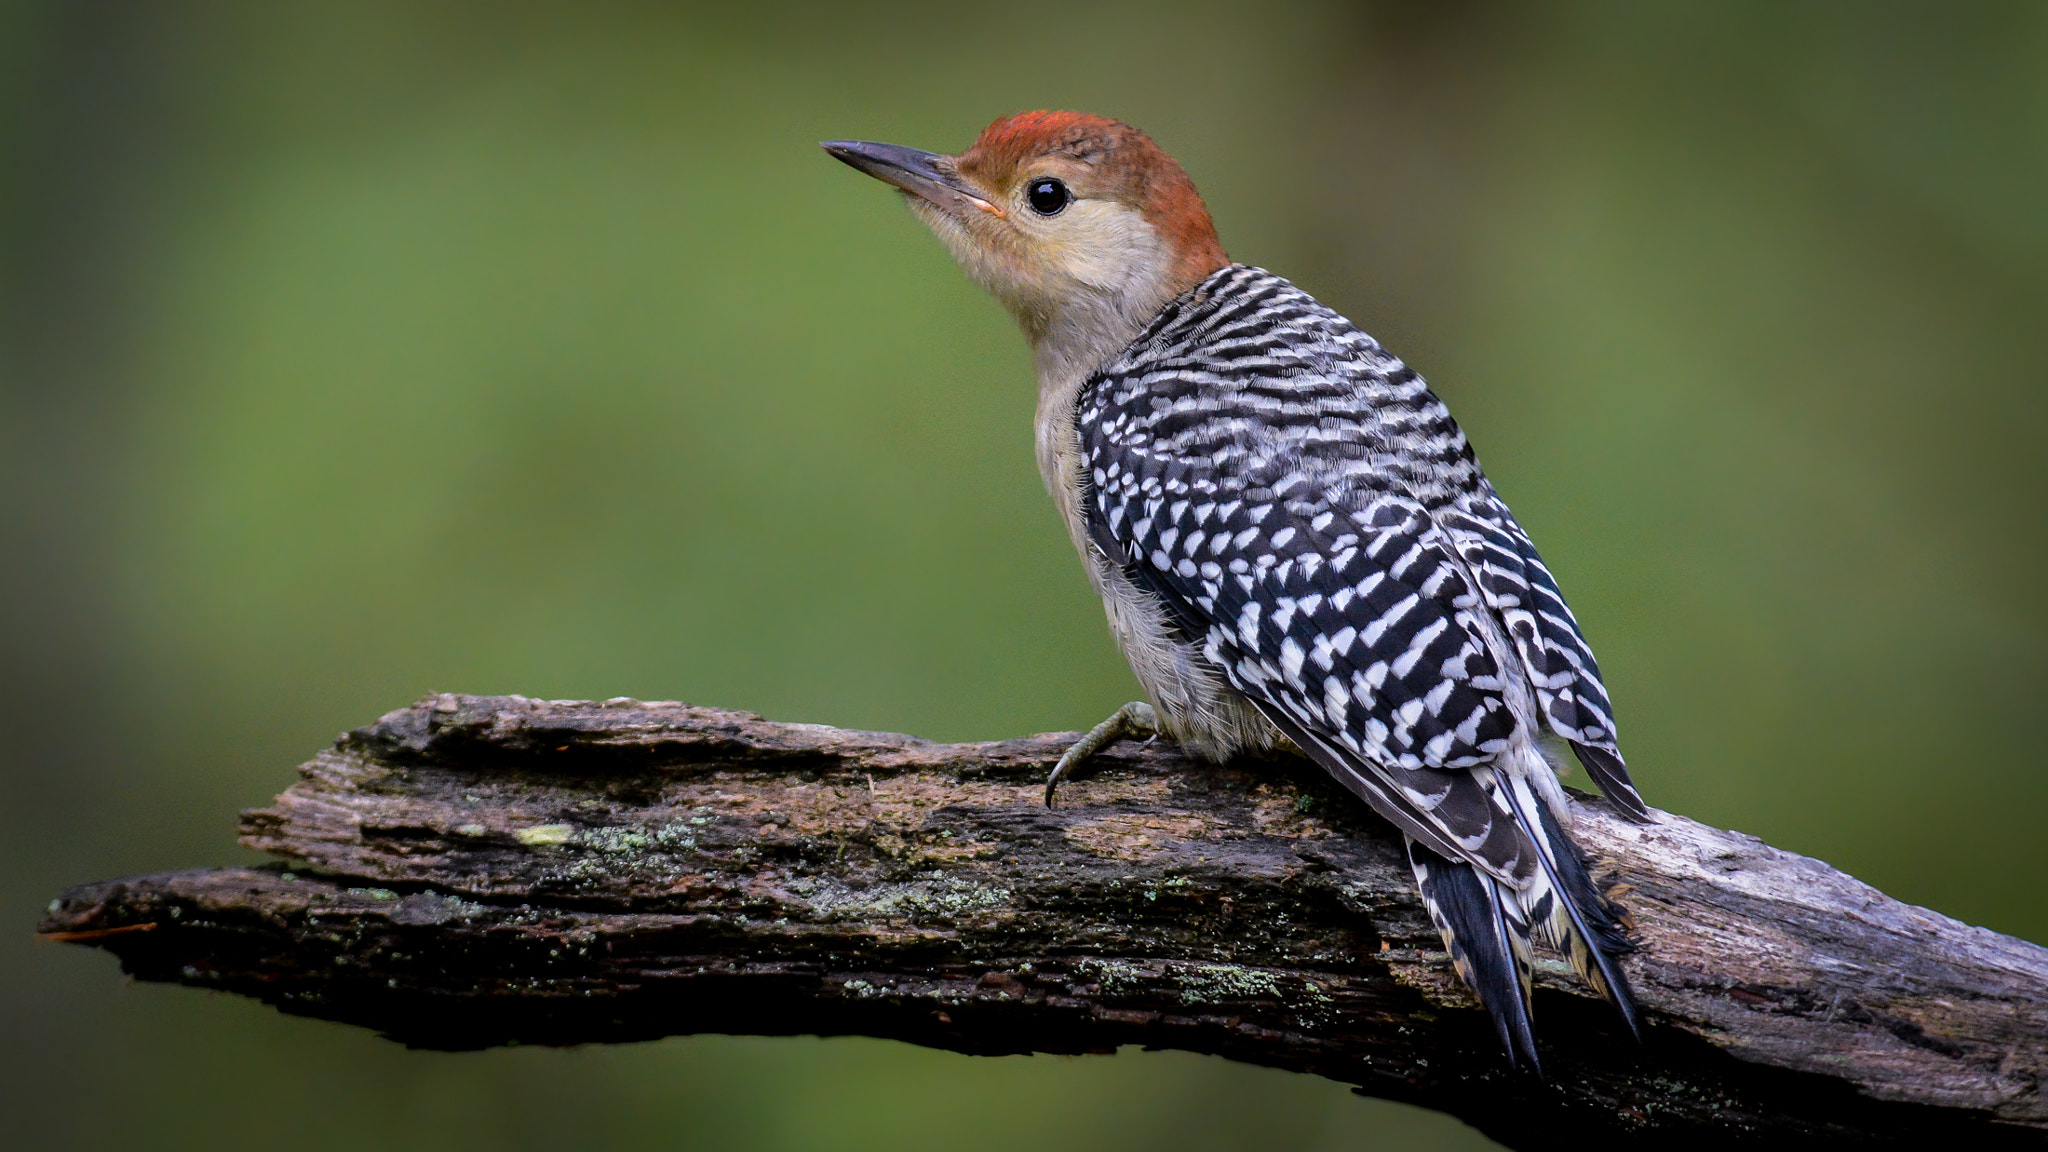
(1293, 541)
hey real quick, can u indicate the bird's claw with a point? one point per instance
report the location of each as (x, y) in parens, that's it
(1134, 719)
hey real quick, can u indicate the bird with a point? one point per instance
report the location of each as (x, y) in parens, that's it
(1293, 540)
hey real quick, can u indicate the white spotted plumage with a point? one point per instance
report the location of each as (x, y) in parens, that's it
(1252, 446)
(1317, 532)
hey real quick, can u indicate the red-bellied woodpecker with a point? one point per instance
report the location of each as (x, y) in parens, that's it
(1292, 538)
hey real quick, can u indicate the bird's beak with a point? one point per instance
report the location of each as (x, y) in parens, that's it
(927, 175)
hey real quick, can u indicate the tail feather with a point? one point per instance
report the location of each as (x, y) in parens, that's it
(1574, 917)
(1602, 938)
(1612, 776)
(1486, 931)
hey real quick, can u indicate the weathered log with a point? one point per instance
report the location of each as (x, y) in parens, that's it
(474, 871)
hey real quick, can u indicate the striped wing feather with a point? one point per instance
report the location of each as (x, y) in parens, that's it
(1314, 522)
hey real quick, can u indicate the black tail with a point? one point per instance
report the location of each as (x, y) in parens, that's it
(1591, 933)
(1487, 934)
(1612, 776)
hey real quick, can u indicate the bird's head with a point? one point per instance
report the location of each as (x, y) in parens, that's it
(1080, 225)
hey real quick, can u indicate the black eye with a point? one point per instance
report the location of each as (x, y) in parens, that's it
(1048, 196)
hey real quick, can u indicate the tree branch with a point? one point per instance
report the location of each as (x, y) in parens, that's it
(474, 871)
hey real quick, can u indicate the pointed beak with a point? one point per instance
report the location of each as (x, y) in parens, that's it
(926, 175)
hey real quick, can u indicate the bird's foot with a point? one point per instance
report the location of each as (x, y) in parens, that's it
(1134, 719)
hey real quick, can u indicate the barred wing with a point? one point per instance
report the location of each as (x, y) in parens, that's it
(1521, 592)
(1346, 621)
(1315, 524)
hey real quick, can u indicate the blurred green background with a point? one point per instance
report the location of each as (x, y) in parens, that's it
(349, 351)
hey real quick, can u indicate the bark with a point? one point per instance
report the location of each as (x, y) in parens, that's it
(475, 871)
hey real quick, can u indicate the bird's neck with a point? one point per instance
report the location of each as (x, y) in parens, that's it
(1089, 328)
(1086, 329)
(1068, 345)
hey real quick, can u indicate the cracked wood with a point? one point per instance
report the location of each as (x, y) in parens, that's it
(474, 871)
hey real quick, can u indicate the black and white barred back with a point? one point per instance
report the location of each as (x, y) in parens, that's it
(1316, 526)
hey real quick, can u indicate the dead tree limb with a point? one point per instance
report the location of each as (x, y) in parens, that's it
(474, 871)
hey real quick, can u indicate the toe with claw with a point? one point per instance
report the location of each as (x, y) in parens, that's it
(1134, 719)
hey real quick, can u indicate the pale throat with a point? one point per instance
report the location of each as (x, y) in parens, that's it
(1080, 299)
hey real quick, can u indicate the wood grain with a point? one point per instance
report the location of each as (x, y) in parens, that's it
(473, 871)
